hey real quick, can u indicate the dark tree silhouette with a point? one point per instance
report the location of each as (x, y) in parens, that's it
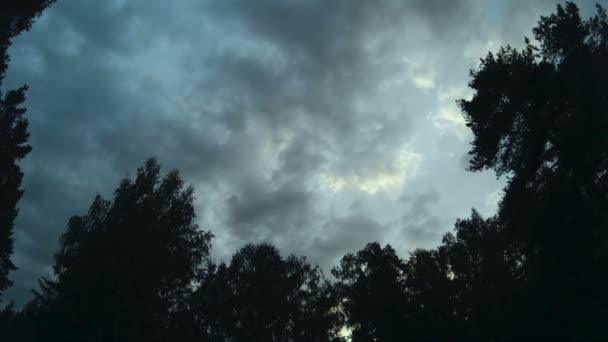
(261, 296)
(539, 116)
(15, 17)
(486, 272)
(16, 325)
(432, 298)
(388, 299)
(124, 269)
(371, 286)
(13, 147)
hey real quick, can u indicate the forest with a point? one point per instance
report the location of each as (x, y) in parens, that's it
(137, 267)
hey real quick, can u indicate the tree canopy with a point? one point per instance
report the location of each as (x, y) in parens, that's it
(15, 17)
(261, 296)
(134, 259)
(539, 116)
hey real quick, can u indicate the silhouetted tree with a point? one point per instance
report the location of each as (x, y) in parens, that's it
(385, 298)
(13, 147)
(539, 116)
(371, 286)
(124, 269)
(16, 325)
(486, 272)
(261, 296)
(15, 17)
(433, 298)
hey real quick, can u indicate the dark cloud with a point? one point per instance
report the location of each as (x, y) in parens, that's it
(274, 211)
(465, 161)
(298, 122)
(342, 235)
(422, 225)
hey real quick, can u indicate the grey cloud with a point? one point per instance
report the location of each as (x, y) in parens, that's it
(465, 161)
(251, 100)
(446, 17)
(343, 235)
(422, 227)
(279, 210)
(324, 70)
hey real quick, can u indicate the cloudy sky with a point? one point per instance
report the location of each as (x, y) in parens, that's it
(316, 125)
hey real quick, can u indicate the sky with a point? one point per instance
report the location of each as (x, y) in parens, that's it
(316, 125)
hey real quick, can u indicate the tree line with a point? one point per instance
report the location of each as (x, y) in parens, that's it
(136, 267)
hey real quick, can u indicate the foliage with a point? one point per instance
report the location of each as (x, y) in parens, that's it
(261, 296)
(539, 116)
(15, 17)
(124, 268)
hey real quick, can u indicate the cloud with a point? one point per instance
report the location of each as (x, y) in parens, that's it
(298, 122)
(344, 234)
(424, 81)
(492, 201)
(389, 176)
(422, 225)
(448, 117)
(273, 210)
(421, 72)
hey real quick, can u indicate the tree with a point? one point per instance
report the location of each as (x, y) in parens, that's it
(539, 116)
(128, 266)
(13, 147)
(15, 17)
(433, 298)
(261, 296)
(371, 286)
(486, 272)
